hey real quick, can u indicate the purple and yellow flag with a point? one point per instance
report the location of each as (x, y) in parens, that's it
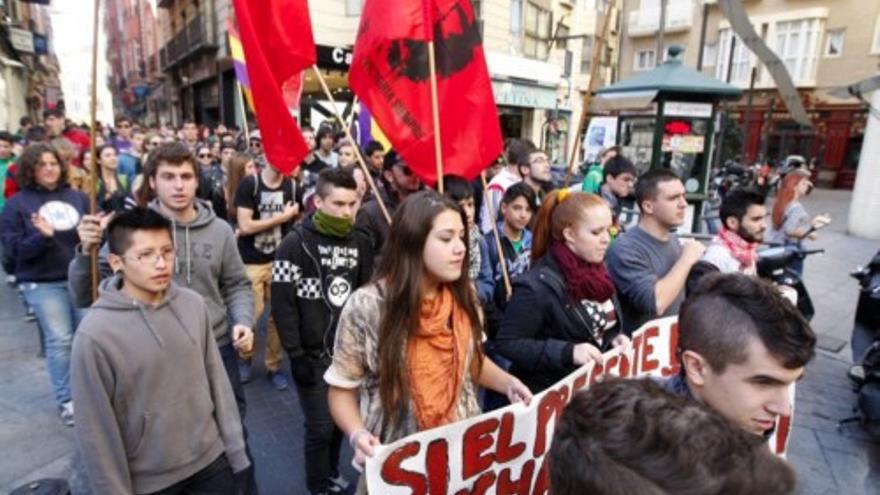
(239, 62)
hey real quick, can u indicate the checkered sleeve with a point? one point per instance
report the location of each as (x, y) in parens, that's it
(286, 276)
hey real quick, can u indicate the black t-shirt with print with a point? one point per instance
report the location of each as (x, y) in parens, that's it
(265, 202)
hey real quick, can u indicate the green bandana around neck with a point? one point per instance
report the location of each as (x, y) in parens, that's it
(330, 225)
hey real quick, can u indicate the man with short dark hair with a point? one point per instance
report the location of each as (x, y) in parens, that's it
(735, 250)
(190, 135)
(56, 126)
(375, 154)
(631, 436)
(534, 167)
(619, 183)
(648, 263)
(124, 144)
(742, 345)
(207, 262)
(318, 265)
(508, 176)
(324, 152)
(156, 410)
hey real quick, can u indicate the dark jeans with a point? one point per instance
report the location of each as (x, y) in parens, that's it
(215, 479)
(246, 479)
(323, 438)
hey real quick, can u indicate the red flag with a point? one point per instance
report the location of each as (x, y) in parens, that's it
(390, 74)
(278, 45)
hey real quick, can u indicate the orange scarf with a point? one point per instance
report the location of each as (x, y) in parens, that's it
(436, 358)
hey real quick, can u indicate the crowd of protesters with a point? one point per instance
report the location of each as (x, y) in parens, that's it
(463, 302)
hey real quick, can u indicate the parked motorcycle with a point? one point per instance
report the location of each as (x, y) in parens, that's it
(866, 328)
(776, 263)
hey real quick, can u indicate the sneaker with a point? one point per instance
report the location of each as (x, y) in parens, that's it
(244, 371)
(338, 484)
(67, 413)
(279, 381)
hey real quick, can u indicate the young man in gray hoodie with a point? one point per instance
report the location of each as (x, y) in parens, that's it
(139, 427)
(207, 259)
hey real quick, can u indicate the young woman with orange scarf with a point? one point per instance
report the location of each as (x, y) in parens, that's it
(407, 349)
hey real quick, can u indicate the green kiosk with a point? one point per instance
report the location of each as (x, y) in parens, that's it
(666, 118)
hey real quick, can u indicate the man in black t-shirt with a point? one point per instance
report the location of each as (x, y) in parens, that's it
(266, 205)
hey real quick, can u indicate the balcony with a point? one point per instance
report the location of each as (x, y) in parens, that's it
(645, 22)
(190, 41)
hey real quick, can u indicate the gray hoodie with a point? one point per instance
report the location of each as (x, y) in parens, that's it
(153, 403)
(207, 262)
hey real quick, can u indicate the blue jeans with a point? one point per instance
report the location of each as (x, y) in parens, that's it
(58, 319)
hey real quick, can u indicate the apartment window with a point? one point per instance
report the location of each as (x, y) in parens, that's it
(742, 59)
(586, 54)
(562, 37)
(710, 55)
(643, 60)
(834, 43)
(536, 29)
(516, 22)
(353, 7)
(797, 45)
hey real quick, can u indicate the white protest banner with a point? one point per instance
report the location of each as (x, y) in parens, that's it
(504, 451)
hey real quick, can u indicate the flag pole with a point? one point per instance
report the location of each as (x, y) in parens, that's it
(357, 149)
(435, 112)
(507, 287)
(247, 131)
(594, 72)
(93, 131)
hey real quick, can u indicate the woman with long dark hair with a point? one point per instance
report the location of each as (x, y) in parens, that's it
(240, 166)
(408, 344)
(112, 186)
(38, 228)
(564, 312)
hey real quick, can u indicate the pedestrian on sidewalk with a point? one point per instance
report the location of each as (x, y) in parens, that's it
(266, 204)
(318, 265)
(141, 428)
(38, 228)
(790, 220)
(407, 355)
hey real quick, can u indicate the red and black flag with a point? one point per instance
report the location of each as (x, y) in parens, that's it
(278, 45)
(391, 76)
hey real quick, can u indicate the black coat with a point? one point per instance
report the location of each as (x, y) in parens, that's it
(542, 324)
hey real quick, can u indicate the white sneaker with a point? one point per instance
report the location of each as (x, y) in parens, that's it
(67, 413)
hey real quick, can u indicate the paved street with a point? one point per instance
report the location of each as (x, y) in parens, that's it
(36, 445)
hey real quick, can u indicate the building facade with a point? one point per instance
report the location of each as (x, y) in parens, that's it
(29, 71)
(825, 45)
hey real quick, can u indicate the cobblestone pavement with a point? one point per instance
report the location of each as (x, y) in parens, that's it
(828, 460)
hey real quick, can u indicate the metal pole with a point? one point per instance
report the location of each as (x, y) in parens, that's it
(703, 36)
(658, 59)
(748, 118)
(724, 115)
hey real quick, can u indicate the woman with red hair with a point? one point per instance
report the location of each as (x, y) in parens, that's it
(790, 221)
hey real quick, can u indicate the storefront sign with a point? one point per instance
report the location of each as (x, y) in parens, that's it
(334, 57)
(21, 39)
(520, 95)
(687, 109)
(683, 144)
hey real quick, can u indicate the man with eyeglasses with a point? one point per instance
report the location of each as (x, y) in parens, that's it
(207, 260)
(534, 167)
(142, 428)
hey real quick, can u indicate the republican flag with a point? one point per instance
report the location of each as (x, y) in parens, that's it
(239, 62)
(390, 74)
(277, 39)
(368, 130)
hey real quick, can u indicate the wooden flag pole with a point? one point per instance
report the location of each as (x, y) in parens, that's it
(594, 72)
(507, 287)
(435, 111)
(93, 132)
(247, 131)
(357, 149)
